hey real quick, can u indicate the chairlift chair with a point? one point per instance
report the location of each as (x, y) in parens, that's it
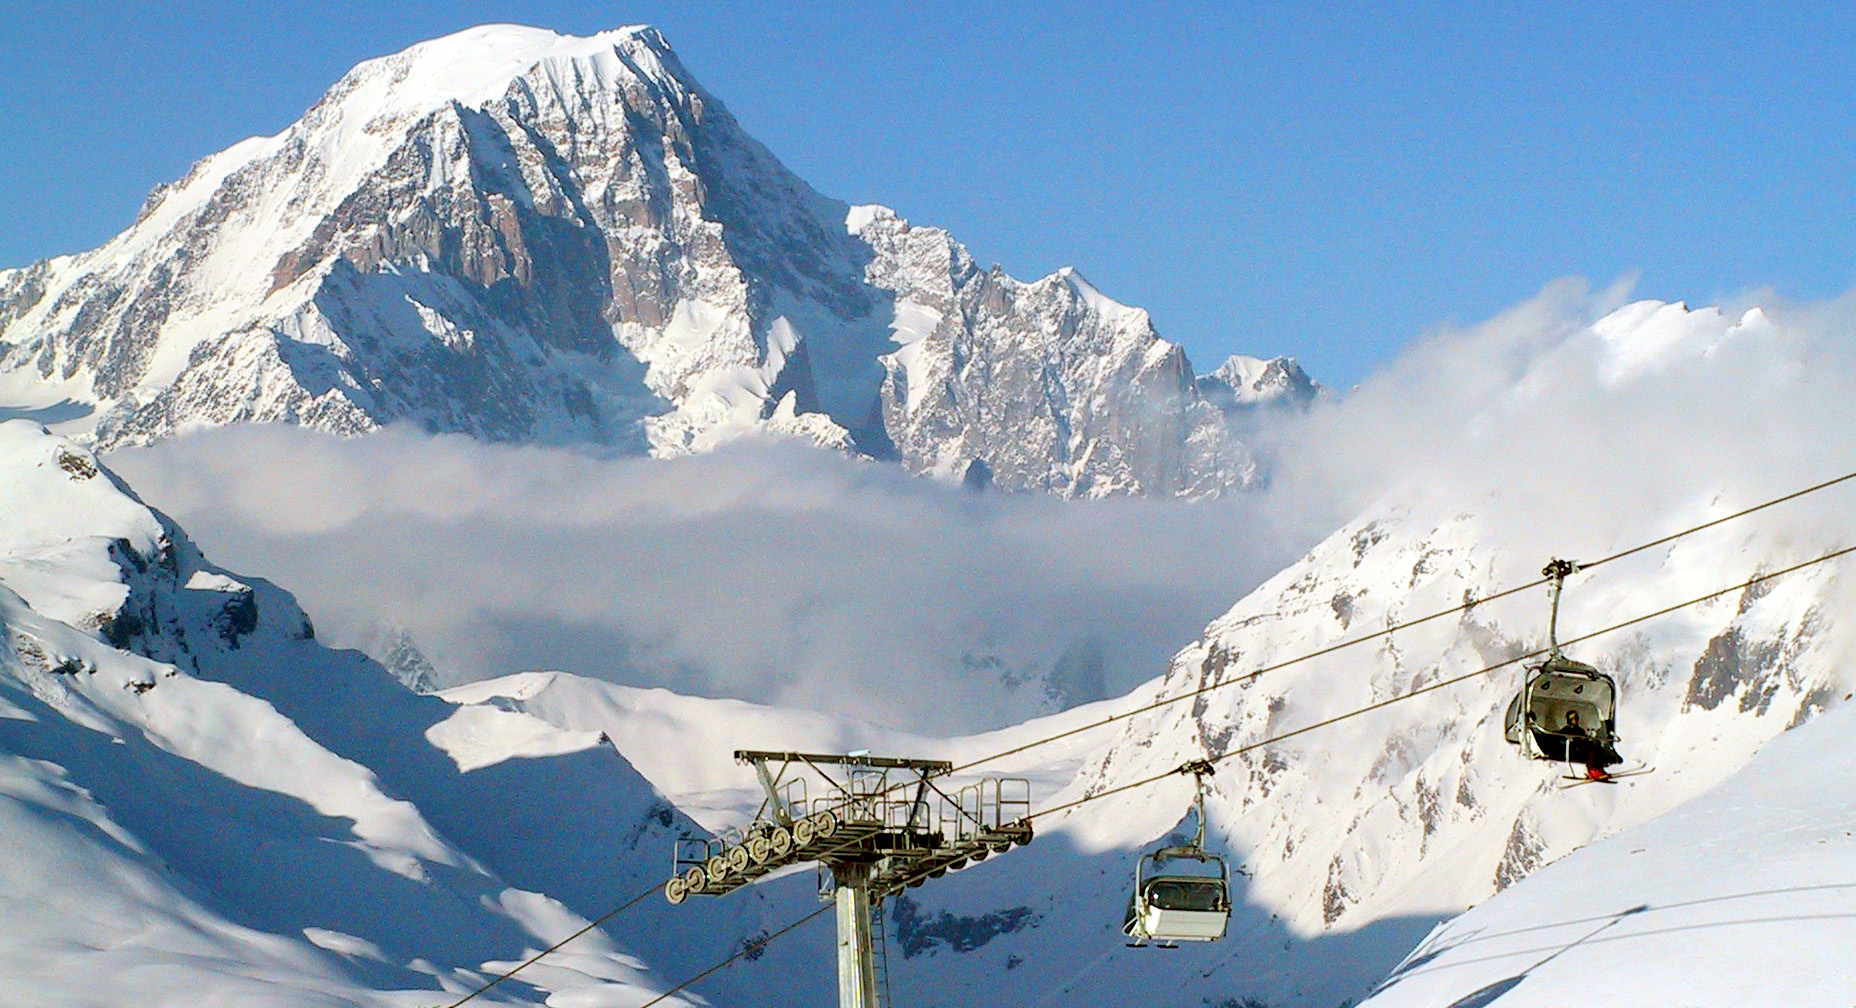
(1566, 710)
(1182, 893)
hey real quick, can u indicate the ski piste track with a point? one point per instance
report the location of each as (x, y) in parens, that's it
(753, 947)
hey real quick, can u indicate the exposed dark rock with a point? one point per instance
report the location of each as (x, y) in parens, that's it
(918, 933)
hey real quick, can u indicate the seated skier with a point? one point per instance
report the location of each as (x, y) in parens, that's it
(1581, 747)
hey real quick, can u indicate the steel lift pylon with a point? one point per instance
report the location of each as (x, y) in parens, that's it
(882, 825)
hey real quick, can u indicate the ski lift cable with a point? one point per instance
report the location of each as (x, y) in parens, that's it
(1442, 684)
(1393, 628)
(748, 949)
(1672, 537)
(537, 957)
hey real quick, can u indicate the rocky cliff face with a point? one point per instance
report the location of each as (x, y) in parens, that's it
(525, 236)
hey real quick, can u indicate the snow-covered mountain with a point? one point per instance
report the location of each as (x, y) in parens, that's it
(206, 806)
(1243, 384)
(526, 236)
(683, 744)
(1359, 839)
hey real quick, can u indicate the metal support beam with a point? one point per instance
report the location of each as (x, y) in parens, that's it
(856, 962)
(775, 804)
(840, 759)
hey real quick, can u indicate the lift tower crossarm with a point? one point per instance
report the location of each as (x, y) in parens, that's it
(840, 759)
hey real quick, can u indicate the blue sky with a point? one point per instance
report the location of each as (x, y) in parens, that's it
(1321, 180)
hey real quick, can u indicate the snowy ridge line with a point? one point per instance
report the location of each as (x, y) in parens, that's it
(1394, 628)
(1389, 701)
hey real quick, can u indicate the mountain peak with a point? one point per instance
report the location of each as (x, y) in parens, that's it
(1243, 382)
(475, 66)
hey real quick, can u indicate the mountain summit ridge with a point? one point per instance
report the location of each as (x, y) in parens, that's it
(527, 236)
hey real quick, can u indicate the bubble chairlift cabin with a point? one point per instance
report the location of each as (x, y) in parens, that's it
(1183, 893)
(1567, 710)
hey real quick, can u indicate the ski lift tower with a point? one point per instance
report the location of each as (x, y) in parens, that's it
(880, 826)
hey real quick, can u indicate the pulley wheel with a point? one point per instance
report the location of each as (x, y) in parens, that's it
(718, 869)
(780, 841)
(738, 858)
(675, 890)
(694, 878)
(759, 849)
(825, 822)
(804, 832)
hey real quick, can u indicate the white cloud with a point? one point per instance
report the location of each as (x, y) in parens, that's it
(766, 570)
(1576, 424)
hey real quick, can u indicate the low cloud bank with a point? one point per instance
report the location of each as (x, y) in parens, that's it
(767, 571)
(1571, 425)
(1577, 424)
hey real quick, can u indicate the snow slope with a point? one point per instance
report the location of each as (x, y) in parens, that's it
(1038, 926)
(206, 806)
(1745, 895)
(1420, 810)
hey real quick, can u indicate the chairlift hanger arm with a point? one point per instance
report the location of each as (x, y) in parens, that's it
(1556, 572)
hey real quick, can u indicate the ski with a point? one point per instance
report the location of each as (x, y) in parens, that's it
(1609, 778)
